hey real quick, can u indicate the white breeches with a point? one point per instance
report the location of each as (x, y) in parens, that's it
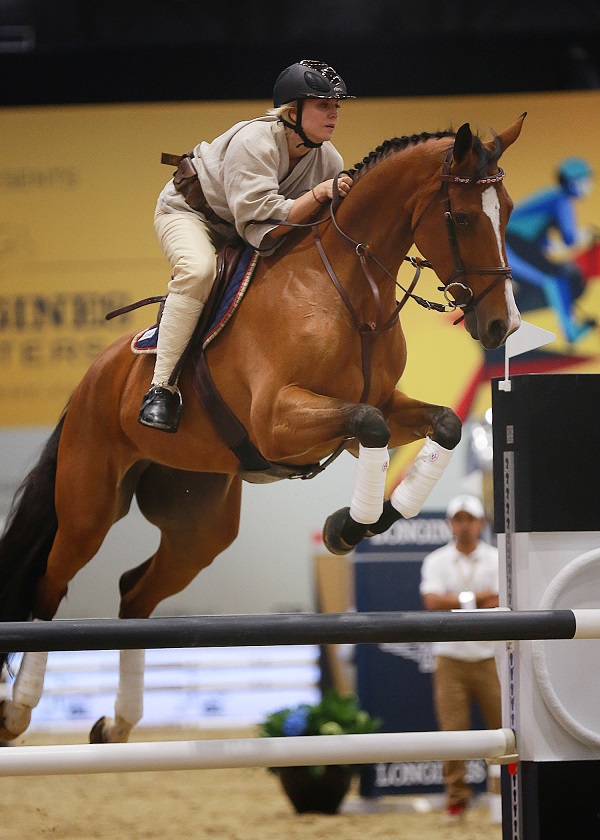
(187, 242)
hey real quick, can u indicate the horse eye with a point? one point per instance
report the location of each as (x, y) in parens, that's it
(461, 219)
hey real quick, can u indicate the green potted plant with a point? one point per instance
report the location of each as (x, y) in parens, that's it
(318, 788)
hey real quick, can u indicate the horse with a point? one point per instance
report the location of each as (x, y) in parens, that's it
(324, 380)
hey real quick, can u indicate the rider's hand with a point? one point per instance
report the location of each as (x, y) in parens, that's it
(324, 190)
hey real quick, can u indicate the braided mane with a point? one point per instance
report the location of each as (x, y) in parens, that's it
(397, 144)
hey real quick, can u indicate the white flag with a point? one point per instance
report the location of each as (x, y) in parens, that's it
(527, 337)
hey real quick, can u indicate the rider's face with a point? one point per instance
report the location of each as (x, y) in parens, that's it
(319, 118)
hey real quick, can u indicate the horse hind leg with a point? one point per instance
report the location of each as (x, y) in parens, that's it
(68, 555)
(15, 711)
(83, 519)
(198, 515)
(129, 706)
(24, 549)
(129, 703)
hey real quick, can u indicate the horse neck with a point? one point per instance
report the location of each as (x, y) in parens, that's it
(380, 208)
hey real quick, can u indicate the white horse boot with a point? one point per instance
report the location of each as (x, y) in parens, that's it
(161, 406)
(15, 714)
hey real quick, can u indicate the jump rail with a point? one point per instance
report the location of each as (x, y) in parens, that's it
(298, 629)
(257, 752)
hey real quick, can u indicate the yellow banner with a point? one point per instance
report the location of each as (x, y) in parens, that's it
(78, 186)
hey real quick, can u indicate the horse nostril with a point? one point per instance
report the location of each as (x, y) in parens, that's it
(497, 332)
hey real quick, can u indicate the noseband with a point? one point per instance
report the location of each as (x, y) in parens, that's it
(500, 272)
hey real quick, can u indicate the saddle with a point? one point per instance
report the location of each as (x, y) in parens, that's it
(226, 293)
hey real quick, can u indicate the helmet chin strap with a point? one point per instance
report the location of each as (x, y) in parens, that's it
(297, 127)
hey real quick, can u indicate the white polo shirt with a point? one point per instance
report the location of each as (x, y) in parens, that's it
(449, 570)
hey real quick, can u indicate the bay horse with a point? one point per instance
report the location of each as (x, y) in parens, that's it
(309, 364)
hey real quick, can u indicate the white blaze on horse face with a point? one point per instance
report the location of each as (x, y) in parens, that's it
(491, 207)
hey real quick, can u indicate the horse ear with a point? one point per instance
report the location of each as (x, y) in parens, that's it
(509, 135)
(462, 143)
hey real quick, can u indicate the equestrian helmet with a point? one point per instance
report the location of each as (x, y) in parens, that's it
(308, 80)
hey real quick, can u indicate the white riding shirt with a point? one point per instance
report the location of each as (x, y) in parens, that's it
(245, 176)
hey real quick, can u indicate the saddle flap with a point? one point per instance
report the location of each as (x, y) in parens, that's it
(227, 262)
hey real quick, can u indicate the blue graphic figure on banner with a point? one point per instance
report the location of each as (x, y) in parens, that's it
(542, 279)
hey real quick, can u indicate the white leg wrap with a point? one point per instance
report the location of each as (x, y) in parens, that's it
(29, 682)
(177, 323)
(409, 496)
(367, 499)
(130, 695)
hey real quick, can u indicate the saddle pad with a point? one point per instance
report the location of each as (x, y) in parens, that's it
(145, 340)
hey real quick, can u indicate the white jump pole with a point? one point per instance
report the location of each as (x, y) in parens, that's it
(257, 752)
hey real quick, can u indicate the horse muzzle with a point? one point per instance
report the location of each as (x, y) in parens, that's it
(492, 332)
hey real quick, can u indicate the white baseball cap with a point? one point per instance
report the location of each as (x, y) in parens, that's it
(470, 504)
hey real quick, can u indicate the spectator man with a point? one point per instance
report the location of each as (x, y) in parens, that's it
(463, 574)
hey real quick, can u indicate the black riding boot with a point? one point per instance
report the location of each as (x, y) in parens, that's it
(161, 409)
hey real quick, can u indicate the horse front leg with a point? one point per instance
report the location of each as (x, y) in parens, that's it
(302, 423)
(412, 420)
(408, 420)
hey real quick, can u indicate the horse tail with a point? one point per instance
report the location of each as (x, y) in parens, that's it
(28, 536)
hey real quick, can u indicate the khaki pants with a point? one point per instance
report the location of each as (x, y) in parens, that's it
(456, 684)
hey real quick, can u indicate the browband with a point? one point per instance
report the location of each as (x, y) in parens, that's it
(491, 179)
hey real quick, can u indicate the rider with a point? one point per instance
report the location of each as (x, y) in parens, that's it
(278, 166)
(528, 245)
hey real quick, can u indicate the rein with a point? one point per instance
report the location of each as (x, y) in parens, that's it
(368, 330)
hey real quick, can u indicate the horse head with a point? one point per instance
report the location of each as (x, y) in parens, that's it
(460, 231)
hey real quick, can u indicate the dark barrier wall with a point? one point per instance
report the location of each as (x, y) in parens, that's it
(555, 439)
(546, 463)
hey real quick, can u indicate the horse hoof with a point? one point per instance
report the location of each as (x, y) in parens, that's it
(110, 731)
(98, 732)
(14, 720)
(332, 532)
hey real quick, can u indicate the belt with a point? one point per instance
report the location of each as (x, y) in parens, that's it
(186, 182)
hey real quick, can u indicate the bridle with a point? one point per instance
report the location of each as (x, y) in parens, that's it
(500, 272)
